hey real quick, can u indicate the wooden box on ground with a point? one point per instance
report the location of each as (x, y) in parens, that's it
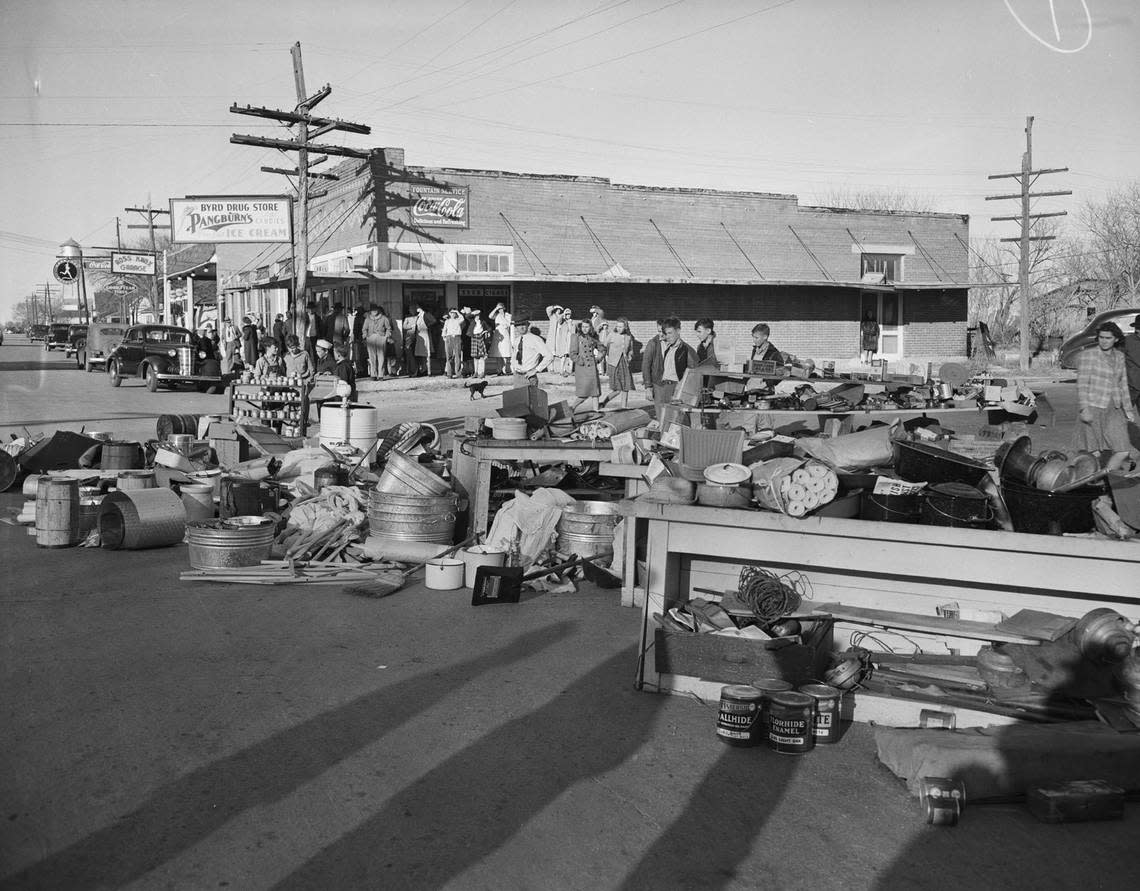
(734, 660)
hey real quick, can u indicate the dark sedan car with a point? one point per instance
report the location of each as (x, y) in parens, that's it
(164, 355)
(1086, 337)
(57, 336)
(37, 332)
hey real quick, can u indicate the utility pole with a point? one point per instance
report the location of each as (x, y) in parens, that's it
(302, 118)
(150, 213)
(1026, 178)
(123, 298)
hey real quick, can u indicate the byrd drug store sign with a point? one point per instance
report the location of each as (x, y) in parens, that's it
(231, 219)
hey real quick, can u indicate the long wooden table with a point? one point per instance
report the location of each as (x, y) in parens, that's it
(487, 451)
(885, 566)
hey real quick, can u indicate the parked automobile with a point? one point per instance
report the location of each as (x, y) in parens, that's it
(37, 332)
(76, 336)
(56, 337)
(1086, 337)
(102, 338)
(164, 355)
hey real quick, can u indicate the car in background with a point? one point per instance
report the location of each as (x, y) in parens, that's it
(165, 355)
(57, 337)
(76, 335)
(102, 338)
(37, 332)
(1086, 337)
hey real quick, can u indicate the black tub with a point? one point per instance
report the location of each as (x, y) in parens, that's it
(1050, 513)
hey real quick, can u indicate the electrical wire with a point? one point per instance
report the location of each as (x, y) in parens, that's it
(772, 596)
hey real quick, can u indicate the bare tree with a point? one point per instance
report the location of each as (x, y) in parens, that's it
(882, 198)
(1114, 242)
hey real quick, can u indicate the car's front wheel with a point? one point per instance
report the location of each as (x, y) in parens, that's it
(115, 372)
(151, 379)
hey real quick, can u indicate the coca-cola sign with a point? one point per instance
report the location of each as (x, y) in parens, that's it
(440, 208)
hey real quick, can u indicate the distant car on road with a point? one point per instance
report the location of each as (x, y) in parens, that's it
(76, 336)
(57, 336)
(37, 332)
(1086, 337)
(102, 338)
(165, 355)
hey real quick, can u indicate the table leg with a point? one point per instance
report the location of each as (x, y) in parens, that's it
(482, 503)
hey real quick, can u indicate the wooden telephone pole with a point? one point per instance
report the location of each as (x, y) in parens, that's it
(150, 213)
(308, 127)
(1027, 177)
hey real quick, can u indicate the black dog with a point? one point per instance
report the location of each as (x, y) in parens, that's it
(477, 388)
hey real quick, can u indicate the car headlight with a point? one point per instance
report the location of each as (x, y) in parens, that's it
(201, 354)
(172, 353)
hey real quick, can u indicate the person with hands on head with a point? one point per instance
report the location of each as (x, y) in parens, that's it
(1105, 407)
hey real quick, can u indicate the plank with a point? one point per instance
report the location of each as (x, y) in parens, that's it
(267, 441)
(1037, 624)
(883, 618)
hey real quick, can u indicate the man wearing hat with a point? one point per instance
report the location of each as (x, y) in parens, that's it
(531, 354)
(1132, 363)
(326, 364)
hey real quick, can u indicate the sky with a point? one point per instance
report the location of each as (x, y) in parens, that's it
(111, 104)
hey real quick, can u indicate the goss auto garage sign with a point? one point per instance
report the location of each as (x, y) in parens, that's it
(229, 220)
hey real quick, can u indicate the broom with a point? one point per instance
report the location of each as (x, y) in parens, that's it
(389, 581)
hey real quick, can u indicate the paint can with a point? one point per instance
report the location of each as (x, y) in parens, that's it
(943, 800)
(790, 723)
(738, 720)
(768, 686)
(825, 716)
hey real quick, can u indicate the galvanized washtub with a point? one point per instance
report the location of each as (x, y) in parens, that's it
(586, 528)
(237, 541)
(429, 518)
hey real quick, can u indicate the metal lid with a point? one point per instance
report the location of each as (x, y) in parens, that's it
(740, 691)
(792, 698)
(772, 685)
(821, 691)
(727, 474)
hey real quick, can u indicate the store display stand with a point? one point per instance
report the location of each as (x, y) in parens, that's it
(280, 403)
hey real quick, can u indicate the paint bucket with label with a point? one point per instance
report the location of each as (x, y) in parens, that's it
(790, 723)
(768, 686)
(825, 717)
(738, 720)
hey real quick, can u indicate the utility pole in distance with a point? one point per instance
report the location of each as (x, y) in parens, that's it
(302, 118)
(150, 213)
(1026, 178)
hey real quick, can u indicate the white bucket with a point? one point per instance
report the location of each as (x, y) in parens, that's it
(444, 575)
(480, 555)
(357, 425)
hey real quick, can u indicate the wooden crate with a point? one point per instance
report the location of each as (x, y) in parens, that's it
(734, 660)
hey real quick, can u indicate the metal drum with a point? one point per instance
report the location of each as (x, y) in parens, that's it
(586, 528)
(426, 518)
(226, 543)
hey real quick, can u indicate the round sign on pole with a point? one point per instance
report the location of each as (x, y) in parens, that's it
(66, 270)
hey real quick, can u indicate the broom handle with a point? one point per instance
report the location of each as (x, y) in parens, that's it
(539, 573)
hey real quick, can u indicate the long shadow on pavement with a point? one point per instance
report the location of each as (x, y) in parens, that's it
(187, 810)
(474, 802)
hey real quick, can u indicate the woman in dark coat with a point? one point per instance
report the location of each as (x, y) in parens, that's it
(248, 342)
(584, 352)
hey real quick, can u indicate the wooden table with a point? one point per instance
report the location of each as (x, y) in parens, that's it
(487, 451)
(771, 418)
(886, 566)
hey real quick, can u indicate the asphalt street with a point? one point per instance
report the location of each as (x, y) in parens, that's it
(164, 735)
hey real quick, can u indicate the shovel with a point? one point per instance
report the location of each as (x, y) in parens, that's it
(503, 584)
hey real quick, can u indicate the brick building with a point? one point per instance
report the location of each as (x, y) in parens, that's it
(448, 237)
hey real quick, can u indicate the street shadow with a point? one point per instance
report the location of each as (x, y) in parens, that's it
(704, 846)
(180, 814)
(29, 365)
(469, 806)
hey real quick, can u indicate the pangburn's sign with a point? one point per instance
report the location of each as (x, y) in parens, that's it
(226, 220)
(440, 208)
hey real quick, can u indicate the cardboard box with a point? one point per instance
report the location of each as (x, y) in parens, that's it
(734, 660)
(526, 402)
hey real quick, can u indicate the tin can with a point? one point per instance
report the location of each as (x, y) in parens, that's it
(790, 723)
(825, 715)
(768, 686)
(738, 720)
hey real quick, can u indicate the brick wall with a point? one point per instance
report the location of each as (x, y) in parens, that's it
(811, 322)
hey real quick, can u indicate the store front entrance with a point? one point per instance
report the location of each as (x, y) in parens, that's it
(886, 307)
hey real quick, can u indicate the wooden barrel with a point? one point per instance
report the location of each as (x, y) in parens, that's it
(135, 479)
(57, 512)
(121, 456)
(168, 424)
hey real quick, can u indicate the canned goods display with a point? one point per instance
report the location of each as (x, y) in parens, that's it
(738, 720)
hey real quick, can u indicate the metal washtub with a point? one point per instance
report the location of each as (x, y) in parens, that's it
(425, 518)
(586, 528)
(223, 544)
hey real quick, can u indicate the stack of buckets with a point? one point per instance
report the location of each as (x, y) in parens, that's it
(771, 712)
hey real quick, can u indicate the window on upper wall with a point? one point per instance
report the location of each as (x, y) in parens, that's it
(890, 266)
(409, 260)
(483, 262)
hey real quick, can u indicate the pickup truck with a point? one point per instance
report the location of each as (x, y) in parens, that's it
(164, 356)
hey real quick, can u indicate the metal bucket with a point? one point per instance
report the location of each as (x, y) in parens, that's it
(890, 508)
(403, 476)
(956, 504)
(1049, 513)
(429, 518)
(216, 545)
(586, 528)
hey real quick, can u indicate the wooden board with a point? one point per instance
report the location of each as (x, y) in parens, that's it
(1036, 624)
(264, 439)
(883, 618)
